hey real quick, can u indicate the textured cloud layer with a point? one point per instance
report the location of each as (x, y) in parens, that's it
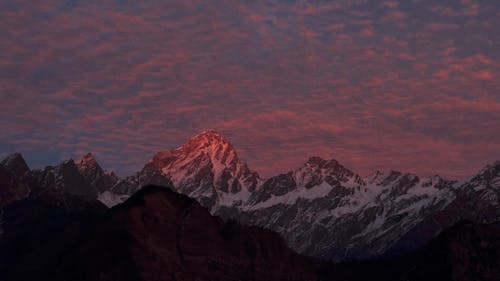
(408, 85)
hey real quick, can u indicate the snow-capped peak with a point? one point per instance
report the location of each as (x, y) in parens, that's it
(205, 167)
(373, 177)
(87, 165)
(88, 160)
(213, 144)
(493, 168)
(487, 178)
(316, 170)
(88, 157)
(209, 136)
(90, 169)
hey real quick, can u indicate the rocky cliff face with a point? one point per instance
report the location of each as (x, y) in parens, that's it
(15, 164)
(94, 175)
(64, 176)
(13, 171)
(11, 188)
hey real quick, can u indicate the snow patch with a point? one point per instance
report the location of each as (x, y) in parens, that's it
(111, 199)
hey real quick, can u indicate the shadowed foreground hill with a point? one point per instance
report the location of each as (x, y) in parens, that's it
(38, 231)
(10, 188)
(160, 235)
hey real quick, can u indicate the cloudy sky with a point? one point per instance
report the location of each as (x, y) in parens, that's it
(407, 85)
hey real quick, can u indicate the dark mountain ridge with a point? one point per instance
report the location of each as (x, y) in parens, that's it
(466, 251)
(322, 208)
(158, 234)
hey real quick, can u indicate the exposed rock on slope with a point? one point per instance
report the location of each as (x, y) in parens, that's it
(11, 189)
(15, 164)
(94, 174)
(64, 176)
(478, 199)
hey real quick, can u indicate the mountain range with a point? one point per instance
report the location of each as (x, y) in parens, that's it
(322, 209)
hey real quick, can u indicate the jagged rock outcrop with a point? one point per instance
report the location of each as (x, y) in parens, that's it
(15, 164)
(94, 174)
(11, 189)
(64, 176)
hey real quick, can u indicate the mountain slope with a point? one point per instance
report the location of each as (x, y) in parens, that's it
(478, 199)
(86, 178)
(464, 252)
(64, 176)
(11, 189)
(156, 234)
(334, 213)
(94, 174)
(322, 209)
(16, 164)
(206, 168)
(168, 236)
(40, 229)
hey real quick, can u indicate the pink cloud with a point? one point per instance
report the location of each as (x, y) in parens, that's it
(390, 4)
(485, 74)
(440, 26)
(379, 88)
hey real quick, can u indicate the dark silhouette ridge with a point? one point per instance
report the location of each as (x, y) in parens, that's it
(158, 234)
(16, 164)
(40, 229)
(155, 235)
(113, 235)
(11, 189)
